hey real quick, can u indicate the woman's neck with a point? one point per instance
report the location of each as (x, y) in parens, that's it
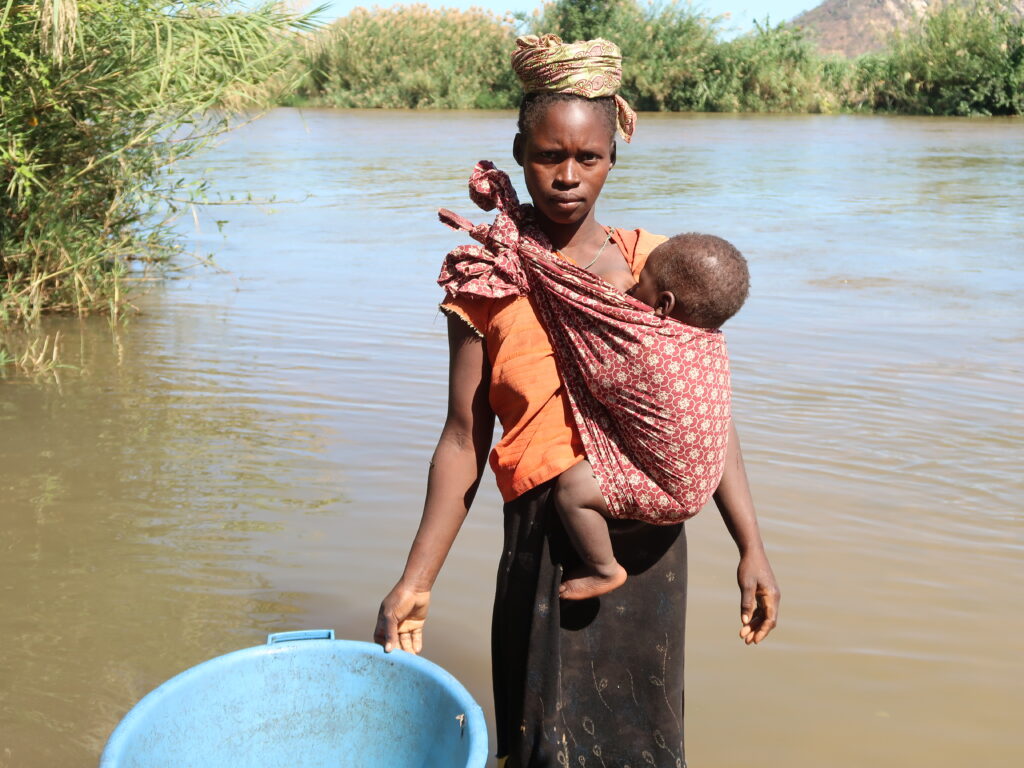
(579, 236)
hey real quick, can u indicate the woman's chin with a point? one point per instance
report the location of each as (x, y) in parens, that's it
(564, 216)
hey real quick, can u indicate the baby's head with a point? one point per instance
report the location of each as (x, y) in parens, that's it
(699, 280)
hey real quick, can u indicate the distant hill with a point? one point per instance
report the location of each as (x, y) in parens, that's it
(852, 27)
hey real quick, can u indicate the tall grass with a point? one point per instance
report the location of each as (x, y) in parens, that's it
(960, 61)
(98, 101)
(412, 56)
(773, 69)
(665, 46)
(100, 98)
(957, 60)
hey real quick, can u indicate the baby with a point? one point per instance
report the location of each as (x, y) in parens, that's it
(701, 281)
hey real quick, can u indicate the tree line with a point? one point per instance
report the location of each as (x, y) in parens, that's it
(100, 98)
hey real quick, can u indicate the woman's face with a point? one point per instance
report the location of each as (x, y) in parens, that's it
(566, 158)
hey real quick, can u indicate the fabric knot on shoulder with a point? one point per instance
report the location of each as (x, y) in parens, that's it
(493, 269)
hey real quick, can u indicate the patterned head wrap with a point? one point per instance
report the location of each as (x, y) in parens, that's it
(590, 69)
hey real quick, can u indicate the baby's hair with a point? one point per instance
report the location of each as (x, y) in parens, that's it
(707, 275)
(535, 105)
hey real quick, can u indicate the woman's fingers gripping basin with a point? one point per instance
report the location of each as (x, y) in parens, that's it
(400, 620)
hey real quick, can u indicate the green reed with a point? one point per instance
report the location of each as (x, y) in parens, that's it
(665, 47)
(959, 61)
(956, 60)
(100, 98)
(33, 354)
(98, 101)
(773, 69)
(411, 56)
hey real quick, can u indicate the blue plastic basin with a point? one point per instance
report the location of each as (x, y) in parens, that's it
(304, 700)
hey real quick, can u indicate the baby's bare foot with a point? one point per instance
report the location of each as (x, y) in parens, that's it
(587, 582)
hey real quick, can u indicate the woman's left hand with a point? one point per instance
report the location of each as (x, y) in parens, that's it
(759, 597)
(401, 618)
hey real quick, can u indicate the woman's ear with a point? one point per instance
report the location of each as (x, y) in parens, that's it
(517, 148)
(664, 304)
(613, 152)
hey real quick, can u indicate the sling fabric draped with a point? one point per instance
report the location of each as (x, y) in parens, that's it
(649, 395)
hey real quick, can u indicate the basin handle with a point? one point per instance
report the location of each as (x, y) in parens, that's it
(302, 634)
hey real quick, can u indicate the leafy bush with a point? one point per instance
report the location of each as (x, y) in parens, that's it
(665, 46)
(958, 61)
(774, 69)
(98, 99)
(412, 56)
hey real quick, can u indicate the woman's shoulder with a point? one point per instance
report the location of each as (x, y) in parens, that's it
(636, 245)
(481, 312)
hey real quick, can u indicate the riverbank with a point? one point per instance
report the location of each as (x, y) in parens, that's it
(99, 102)
(958, 60)
(92, 95)
(248, 453)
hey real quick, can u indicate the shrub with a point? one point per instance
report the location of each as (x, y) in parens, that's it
(98, 99)
(957, 61)
(665, 46)
(412, 56)
(773, 69)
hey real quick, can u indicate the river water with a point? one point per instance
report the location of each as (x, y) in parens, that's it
(247, 453)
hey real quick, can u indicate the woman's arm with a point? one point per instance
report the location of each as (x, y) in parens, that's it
(452, 480)
(759, 592)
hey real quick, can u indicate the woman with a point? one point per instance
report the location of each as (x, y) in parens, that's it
(599, 682)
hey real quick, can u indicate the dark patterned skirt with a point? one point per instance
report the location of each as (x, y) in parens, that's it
(596, 682)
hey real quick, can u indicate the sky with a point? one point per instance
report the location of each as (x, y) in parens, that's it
(742, 12)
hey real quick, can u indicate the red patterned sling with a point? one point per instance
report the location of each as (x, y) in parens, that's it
(650, 396)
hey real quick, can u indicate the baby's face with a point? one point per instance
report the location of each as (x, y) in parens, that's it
(645, 290)
(664, 303)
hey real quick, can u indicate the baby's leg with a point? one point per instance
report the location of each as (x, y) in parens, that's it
(583, 513)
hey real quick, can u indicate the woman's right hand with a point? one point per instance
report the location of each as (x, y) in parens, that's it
(454, 474)
(401, 618)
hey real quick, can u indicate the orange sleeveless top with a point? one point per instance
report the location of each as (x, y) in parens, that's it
(539, 439)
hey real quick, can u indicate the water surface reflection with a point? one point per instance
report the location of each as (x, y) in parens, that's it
(247, 454)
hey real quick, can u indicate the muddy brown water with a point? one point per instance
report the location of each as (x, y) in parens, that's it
(247, 454)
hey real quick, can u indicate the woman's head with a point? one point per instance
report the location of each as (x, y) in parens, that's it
(567, 122)
(534, 106)
(566, 148)
(591, 69)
